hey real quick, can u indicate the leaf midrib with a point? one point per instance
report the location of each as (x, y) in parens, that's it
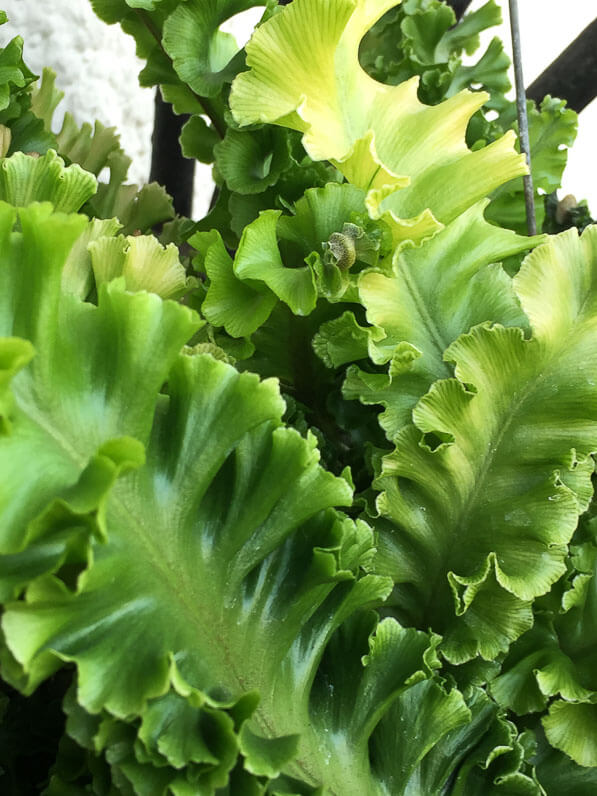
(544, 367)
(160, 563)
(431, 327)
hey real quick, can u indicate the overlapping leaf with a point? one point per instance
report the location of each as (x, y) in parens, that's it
(15, 75)
(88, 151)
(165, 546)
(430, 43)
(25, 179)
(184, 744)
(305, 75)
(202, 571)
(558, 773)
(552, 130)
(484, 492)
(21, 117)
(556, 659)
(156, 531)
(293, 259)
(251, 161)
(434, 293)
(26, 130)
(144, 264)
(204, 56)
(99, 148)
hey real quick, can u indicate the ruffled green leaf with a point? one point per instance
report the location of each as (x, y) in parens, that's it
(23, 129)
(14, 355)
(344, 340)
(397, 391)
(97, 148)
(242, 294)
(202, 571)
(552, 130)
(81, 506)
(251, 161)
(144, 263)
(571, 727)
(439, 716)
(485, 754)
(46, 97)
(319, 213)
(300, 57)
(88, 146)
(77, 275)
(392, 692)
(577, 625)
(258, 258)
(197, 140)
(557, 658)
(490, 513)
(14, 75)
(465, 35)
(190, 733)
(499, 766)
(150, 206)
(422, 37)
(332, 230)
(183, 743)
(239, 307)
(442, 288)
(290, 188)
(436, 292)
(559, 774)
(139, 211)
(182, 99)
(430, 33)
(266, 756)
(293, 258)
(31, 302)
(425, 30)
(491, 71)
(536, 669)
(25, 179)
(204, 56)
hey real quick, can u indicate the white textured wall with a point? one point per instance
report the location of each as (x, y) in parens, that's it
(96, 68)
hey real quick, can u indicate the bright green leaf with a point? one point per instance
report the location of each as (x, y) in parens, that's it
(487, 512)
(25, 179)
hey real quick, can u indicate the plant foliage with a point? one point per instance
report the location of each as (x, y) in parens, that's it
(297, 498)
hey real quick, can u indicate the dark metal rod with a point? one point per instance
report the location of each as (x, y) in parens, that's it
(168, 166)
(523, 123)
(573, 74)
